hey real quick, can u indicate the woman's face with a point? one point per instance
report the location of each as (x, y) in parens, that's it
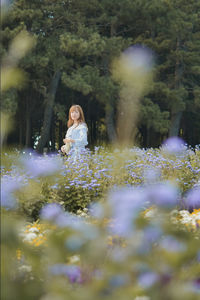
(75, 115)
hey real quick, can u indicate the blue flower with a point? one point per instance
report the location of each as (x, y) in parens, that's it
(73, 273)
(164, 195)
(9, 185)
(42, 166)
(192, 199)
(125, 204)
(51, 212)
(174, 145)
(96, 210)
(147, 279)
(171, 244)
(139, 57)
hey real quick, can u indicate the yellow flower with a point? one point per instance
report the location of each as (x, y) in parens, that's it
(18, 254)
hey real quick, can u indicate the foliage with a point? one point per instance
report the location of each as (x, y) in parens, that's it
(82, 41)
(116, 250)
(76, 185)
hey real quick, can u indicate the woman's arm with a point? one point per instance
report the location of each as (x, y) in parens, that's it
(67, 138)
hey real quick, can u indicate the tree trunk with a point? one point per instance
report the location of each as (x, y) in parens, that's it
(176, 114)
(148, 137)
(28, 131)
(175, 123)
(110, 123)
(61, 135)
(50, 98)
(28, 124)
(53, 138)
(109, 109)
(21, 131)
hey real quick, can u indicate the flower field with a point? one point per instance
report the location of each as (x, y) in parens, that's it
(115, 224)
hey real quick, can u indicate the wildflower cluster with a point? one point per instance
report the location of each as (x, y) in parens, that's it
(35, 233)
(134, 233)
(190, 219)
(75, 185)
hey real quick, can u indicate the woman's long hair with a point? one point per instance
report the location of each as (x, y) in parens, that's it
(81, 117)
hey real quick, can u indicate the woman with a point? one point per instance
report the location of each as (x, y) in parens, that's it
(76, 136)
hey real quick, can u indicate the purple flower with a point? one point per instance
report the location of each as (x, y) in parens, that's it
(73, 273)
(174, 145)
(152, 234)
(62, 220)
(42, 166)
(163, 194)
(96, 210)
(139, 57)
(147, 279)
(8, 186)
(125, 204)
(197, 284)
(192, 199)
(170, 244)
(51, 212)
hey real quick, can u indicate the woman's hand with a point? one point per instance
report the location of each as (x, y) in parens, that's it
(63, 149)
(68, 140)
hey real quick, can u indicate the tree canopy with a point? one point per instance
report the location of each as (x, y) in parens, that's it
(76, 42)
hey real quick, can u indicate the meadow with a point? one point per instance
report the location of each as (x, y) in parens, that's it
(114, 224)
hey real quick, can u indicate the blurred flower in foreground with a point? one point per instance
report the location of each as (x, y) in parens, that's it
(152, 234)
(11, 75)
(192, 199)
(133, 71)
(164, 195)
(171, 244)
(191, 220)
(73, 273)
(54, 213)
(51, 212)
(41, 166)
(138, 57)
(147, 279)
(174, 145)
(8, 186)
(125, 204)
(96, 210)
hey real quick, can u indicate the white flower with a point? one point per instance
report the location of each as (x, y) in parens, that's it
(186, 220)
(193, 222)
(74, 259)
(33, 229)
(151, 213)
(184, 213)
(29, 237)
(25, 268)
(197, 216)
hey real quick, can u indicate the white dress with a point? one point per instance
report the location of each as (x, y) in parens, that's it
(78, 133)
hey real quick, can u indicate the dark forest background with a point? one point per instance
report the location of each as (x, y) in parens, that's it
(76, 42)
